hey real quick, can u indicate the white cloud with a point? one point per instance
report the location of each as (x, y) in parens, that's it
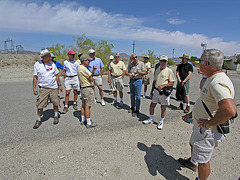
(69, 18)
(176, 21)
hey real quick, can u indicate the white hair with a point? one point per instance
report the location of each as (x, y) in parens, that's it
(214, 57)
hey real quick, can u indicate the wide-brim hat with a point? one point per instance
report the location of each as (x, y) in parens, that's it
(185, 56)
(44, 52)
(111, 57)
(146, 56)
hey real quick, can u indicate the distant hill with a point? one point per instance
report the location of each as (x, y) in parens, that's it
(19, 52)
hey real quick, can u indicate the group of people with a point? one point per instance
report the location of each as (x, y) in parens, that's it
(217, 94)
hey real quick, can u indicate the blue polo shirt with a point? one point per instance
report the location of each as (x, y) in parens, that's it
(98, 63)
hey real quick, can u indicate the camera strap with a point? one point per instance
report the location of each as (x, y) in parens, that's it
(209, 113)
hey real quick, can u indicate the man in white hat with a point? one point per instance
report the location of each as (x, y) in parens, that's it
(111, 60)
(163, 77)
(115, 77)
(146, 78)
(97, 74)
(45, 74)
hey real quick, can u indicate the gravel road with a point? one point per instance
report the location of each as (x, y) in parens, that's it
(120, 147)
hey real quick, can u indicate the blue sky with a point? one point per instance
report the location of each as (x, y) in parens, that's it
(157, 25)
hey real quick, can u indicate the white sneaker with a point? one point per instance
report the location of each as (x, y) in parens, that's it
(160, 125)
(103, 102)
(114, 102)
(95, 101)
(148, 121)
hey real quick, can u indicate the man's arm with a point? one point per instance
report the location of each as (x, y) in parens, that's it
(226, 110)
(178, 77)
(101, 72)
(59, 83)
(109, 75)
(35, 79)
(123, 74)
(91, 76)
(188, 77)
(151, 92)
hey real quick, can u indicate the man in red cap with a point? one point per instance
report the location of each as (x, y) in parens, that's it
(71, 81)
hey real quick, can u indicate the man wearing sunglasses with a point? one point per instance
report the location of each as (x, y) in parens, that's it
(45, 73)
(183, 74)
(136, 70)
(163, 77)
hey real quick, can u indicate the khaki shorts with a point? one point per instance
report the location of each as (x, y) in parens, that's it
(203, 142)
(146, 80)
(117, 83)
(162, 99)
(97, 81)
(88, 96)
(44, 95)
(71, 83)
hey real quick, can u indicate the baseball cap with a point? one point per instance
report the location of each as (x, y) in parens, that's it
(71, 52)
(44, 52)
(91, 51)
(185, 55)
(52, 55)
(163, 57)
(111, 57)
(83, 58)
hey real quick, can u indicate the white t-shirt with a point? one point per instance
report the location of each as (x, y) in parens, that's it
(46, 74)
(71, 67)
(216, 88)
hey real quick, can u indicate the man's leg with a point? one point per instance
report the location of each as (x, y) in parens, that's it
(163, 111)
(56, 119)
(101, 94)
(75, 99)
(67, 97)
(151, 112)
(38, 122)
(65, 109)
(132, 95)
(100, 91)
(203, 170)
(75, 95)
(138, 89)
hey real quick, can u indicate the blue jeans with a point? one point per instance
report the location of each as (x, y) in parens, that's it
(135, 92)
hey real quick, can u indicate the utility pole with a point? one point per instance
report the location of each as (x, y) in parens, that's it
(173, 52)
(133, 45)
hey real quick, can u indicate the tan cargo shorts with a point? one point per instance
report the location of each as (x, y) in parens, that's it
(44, 95)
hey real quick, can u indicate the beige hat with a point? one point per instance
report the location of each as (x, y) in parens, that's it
(52, 55)
(146, 56)
(91, 51)
(185, 56)
(163, 57)
(44, 52)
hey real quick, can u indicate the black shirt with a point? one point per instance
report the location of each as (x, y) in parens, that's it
(183, 70)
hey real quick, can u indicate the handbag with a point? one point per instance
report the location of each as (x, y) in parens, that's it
(224, 127)
(167, 90)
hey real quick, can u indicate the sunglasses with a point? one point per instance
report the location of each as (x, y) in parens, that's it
(135, 57)
(163, 60)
